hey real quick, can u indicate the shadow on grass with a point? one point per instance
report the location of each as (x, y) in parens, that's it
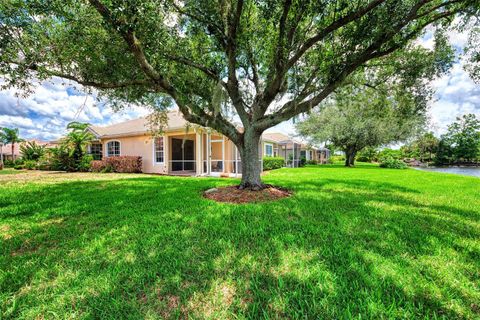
(146, 247)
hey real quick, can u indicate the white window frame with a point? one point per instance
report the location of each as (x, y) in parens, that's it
(90, 148)
(265, 149)
(155, 151)
(107, 154)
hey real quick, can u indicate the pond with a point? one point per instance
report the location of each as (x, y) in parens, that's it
(466, 171)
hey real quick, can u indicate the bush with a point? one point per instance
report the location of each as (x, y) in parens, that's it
(11, 164)
(122, 164)
(303, 161)
(18, 167)
(367, 155)
(85, 163)
(312, 162)
(392, 163)
(271, 163)
(125, 164)
(44, 162)
(32, 151)
(386, 154)
(30, 165)
(337, 159)
(97, 165)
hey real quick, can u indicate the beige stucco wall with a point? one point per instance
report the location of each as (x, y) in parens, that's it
(276, 148)
(143, 146)
(139, 146)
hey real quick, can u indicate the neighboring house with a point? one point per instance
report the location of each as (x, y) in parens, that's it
(7, 148)
(279, 144)
(180, 149)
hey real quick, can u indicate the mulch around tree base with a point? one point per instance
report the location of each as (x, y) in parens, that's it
(233, 194)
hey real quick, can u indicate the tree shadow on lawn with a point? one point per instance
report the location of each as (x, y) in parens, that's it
(155, 247)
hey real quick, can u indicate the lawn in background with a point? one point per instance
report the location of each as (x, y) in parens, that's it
(9, 171)
(358, 242)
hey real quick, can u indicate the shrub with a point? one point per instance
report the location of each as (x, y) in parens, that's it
(85, 163)
(44, 163)
(392, 163)
(389, 154)
(122, 164)
(271, 163)
(312, 162)
(18, 167)
(32, 151)
(368, 154)
(30, 165)
(97, 165)
(125, 164)
(11, 164)
(337, 159)
(302, 162)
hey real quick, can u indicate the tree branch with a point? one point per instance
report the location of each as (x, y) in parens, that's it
(84, 82)
(198, 115)
(274, 85)
(134, 45)
(337, 24)
(231, 51)
(293, 107)
(207, 71)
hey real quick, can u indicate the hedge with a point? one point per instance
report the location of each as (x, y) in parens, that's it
(271, 163)
(122, 164)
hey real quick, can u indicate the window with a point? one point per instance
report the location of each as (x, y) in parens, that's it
(158, 150)
(96, 150)
(268, 150)
(113, 149)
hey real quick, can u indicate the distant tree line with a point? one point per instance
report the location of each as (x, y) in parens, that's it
(459, 145)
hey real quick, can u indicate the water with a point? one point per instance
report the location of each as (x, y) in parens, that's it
(466, 171)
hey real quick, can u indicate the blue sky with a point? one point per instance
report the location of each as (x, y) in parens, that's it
(45, 113)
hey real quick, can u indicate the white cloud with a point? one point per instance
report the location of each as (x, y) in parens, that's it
(46, 113)
(16, 121)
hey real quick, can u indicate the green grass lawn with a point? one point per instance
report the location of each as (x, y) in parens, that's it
(10, 171)
(357, 242)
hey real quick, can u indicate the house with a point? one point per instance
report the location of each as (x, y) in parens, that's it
(292, 150)
(181, 149)
(6, 149)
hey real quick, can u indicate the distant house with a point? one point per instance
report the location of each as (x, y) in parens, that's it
(180, 149)
(6, 150)
(293, 150)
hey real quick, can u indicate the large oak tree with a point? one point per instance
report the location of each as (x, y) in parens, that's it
(273, 59)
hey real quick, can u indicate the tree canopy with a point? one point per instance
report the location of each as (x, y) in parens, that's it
(272, 60)
(358, 118)
(461, 143)
(379, 105)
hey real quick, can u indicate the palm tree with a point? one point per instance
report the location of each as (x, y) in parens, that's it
(78, 139)
(11, 136)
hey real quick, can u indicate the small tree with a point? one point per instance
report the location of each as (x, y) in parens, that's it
(32, 151)
(372, 110)
(424, 148)
(76, 143)
(11, 136)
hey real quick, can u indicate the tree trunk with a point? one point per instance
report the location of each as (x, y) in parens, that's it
(251, 164)
(13, 151)
(350, 157)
